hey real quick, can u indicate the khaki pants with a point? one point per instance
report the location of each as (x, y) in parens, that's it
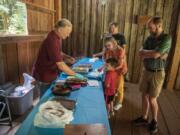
(151, 82)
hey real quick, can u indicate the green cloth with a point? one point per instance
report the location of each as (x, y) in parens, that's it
(161, 44)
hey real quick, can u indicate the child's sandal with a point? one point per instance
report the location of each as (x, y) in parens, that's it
(112, 113)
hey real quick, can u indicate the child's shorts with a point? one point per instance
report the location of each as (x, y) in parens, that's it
(109, 99)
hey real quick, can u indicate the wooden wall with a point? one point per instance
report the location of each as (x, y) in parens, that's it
(40, 16)
(177, 84)
(17, 57)
(90, 19)
(174, 72)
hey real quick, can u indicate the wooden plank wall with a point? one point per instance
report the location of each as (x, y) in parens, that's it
(177, 84)
(40, 16)
(173, 77)
(18, 57)
(91, 18)
(176, 60)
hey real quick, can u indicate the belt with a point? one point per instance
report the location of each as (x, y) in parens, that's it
(154, 70)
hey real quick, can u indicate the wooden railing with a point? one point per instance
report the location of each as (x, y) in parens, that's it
(20, 38)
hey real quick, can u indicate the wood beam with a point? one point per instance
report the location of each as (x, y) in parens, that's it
(19, 38)
(58, 9)
(40, 8)
(143, 19)
(175, 59)
(2, 80)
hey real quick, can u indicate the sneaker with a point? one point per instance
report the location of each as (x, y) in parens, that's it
(153, 127)
(140, 121)
(118, 106)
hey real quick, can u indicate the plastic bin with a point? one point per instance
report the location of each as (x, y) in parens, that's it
(19, 105)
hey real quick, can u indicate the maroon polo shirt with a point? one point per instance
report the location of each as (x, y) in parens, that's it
(45, 68)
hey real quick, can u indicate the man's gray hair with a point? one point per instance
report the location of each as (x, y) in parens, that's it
(63, 23)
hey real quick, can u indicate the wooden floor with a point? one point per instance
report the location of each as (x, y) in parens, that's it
(168, 119)
(7, 130)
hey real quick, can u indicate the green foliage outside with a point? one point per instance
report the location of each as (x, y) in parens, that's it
(13, 17)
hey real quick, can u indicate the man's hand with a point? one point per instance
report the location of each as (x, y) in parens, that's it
(164, 56)
(145, 54)
(71, 60)
(141, 53)
(68, 59)
(63, 67)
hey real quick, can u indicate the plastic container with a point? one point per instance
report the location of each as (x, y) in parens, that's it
(20, 104)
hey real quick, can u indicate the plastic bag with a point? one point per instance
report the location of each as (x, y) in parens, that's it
(52, 115)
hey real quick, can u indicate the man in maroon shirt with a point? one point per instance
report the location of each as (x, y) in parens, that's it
(50, 58)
